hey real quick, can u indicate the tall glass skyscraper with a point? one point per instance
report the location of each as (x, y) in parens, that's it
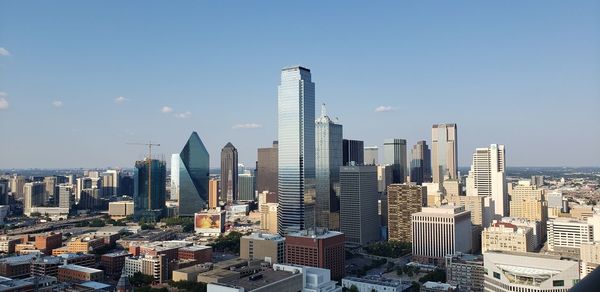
(328, 148)
(193, 176)
(149, 188)
(229, 174)
(296, 132)
(394, 154)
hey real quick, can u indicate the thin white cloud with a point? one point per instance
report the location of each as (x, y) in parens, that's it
(247, 126)
(4, 52)
(3, 101)
(184, 115)
(121, 99)
(166, 110)
(57, 103)
(384, 108)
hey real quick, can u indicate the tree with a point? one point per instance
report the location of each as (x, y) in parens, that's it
(189, 286)
(140, 280)
(147, 226)
(438, 275)
(399, 271)
(97, 223)
(353, 288)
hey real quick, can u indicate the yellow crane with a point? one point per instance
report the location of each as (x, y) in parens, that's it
(149, 161)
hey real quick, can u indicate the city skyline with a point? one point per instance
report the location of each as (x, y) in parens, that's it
(112, 76)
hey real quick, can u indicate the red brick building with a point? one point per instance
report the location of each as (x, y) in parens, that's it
(46, 243)
(200, 253)
(317, 248)
(112, 263)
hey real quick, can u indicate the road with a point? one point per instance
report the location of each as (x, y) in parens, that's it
(49, 226)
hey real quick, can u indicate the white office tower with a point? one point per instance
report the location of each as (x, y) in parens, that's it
(175, 176)
(371, 155)
(296, 149)
(437, 232)
(567, 235)
(487, 178)
(528, 272)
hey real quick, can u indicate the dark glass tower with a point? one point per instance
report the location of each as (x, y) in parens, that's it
(229, 174)
(193, 176)
(149, 188)
(353, 150)
(420, 163)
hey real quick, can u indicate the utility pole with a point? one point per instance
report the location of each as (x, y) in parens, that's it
(149, 161)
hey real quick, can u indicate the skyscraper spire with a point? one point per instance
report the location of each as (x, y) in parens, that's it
(323, 110)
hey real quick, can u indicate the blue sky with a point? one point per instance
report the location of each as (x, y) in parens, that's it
(521, 73)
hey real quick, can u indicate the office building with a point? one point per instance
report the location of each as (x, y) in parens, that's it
(317, 248)
(268, 217)
(371, 155)
(33, 196)
(65, 193)
(420, 163)
(4, 190)
(394, 154)
(431, 286)
(358, 204)
(590, 257)
(528, 201)
(537, 180)
(503, 236)
(403, 200)
(266, 170)
(465, 271)
(531, 272)
(353, 152)
(150, 188)
(384, 178)
(296, 132)
(120, 209)
(17, 186)
(77, 273)
(474, 204)
(50, 188)
(174, 176)
(263, 246)
(444, 152)
(487, 178)
(229, 174)
(213, 193)
(328, 151)
(246, 187)
(437, 232)
(89, 199)
(566, 234)
(109, 183)
(193, 176)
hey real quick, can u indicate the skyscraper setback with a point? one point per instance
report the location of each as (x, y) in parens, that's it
(229, 174)
(328, 149)
(444, 155)
(296, 132)
(394, 154)
(353, 152)
(487, 178)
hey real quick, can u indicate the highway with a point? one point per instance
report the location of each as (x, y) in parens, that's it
(49, 226)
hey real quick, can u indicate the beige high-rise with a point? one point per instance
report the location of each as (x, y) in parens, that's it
(528, 201)
(268, 217)
(264, 247)
(444, 155)
(403, 201)
(475, 204)
(487, 177)
(213, 193)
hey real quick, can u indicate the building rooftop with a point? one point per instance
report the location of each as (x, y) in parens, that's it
(18, 259)
(195, 247)
(264, 278)
(442, 210)
(116, 254)
(377, 281)
(80, 268)
(264, 236)
(318, 233)
(438, 286)
(95, 285)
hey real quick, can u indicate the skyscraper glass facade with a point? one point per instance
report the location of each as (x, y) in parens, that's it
(328, 147)
(394, 154)
(444, 155)
(149, 188)
(193, 176)
(296, 149)
(229, 174)
(420, 163)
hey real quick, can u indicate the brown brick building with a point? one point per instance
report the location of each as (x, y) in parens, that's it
(200, 253)
(75, 273)
(319, 248)
(112, 263)
(46, 243)
(403, 201)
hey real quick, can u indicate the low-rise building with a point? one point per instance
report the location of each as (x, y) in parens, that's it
(590, 257)
(368, 284)
(465, 271)
(263, 246)
(199, 253)
(7, 245)
(507, 237)
(112, 263)
(120, 210)
(76, 273)
(437, 287)
(16, 266)
(567, 235)
(532, 272)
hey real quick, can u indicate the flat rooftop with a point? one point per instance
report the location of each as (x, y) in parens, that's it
(268, 277)
(195, 247)
(264, 236)
(311, 233)
(80, 268)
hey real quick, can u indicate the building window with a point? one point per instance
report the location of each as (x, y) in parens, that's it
(558, 283)
(497, 275)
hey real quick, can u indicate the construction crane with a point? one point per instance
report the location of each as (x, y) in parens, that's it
(149, 144)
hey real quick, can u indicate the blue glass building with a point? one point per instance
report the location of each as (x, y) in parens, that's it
(193, 176)
(149, 188)
(296, 148)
